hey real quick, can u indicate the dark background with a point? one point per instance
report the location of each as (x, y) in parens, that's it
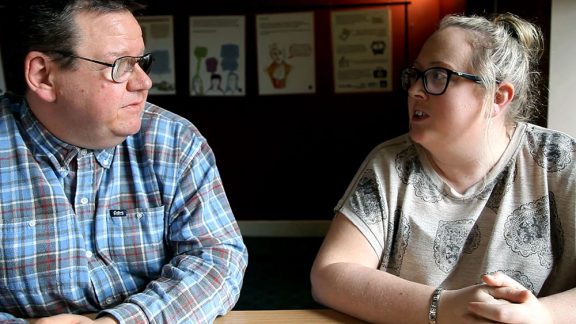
(292, 156)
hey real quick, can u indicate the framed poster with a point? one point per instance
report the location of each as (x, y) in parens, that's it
(362, 57)
(285, 44)
(217, 56)
(158, 33)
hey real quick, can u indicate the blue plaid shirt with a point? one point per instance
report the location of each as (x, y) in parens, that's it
(142, 231)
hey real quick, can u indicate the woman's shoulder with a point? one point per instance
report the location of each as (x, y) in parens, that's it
(386, 154)
(536, 131)
(551, 149)
(392, 147)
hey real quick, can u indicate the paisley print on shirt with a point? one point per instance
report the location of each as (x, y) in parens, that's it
(366, 201)
(398, 237)
(552, 151)
(410, 172)
(528, 231)
(452, 239)
(520, 277)
(502, 184)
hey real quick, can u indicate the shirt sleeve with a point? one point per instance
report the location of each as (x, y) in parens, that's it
(364, 202)
(204, 276)
(6, 318)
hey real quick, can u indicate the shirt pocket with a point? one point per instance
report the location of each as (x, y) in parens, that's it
(135, 240)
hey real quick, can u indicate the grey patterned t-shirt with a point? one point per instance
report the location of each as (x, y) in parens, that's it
(520, 220)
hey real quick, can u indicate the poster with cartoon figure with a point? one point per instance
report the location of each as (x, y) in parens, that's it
(2, 82)
(217, 56)
(285, 44)
(361, 41)
(158, 35)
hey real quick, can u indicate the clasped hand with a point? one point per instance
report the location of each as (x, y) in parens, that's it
(500, 299)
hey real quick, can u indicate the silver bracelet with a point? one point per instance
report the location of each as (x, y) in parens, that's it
(433, 312)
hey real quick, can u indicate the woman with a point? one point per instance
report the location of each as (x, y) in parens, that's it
(471, 216)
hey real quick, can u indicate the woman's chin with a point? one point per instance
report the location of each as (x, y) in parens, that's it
(416, 136)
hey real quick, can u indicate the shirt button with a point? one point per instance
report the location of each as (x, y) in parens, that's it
(109, 300)
(83, 152)
(84, 200)
(89, 254)
(139, 214)
(32, 223)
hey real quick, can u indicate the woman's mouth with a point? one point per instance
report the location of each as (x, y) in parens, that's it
(418, 114)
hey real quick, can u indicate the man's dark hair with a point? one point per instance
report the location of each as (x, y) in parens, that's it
(48, 26)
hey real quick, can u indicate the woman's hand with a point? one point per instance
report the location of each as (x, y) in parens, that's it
(512, 303)
(454, 304)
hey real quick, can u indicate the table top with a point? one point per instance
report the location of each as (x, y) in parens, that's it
(286, 316)
(278, 316)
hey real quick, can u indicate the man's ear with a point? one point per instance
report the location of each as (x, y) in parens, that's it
(38, 70)
(504, 95)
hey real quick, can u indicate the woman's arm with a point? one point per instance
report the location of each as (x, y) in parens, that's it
(345, 277)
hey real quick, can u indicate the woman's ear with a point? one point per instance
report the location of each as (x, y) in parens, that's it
(38, 69)
(504, 95)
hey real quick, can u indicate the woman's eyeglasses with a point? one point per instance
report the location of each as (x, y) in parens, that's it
(435, 79)
(123, 66)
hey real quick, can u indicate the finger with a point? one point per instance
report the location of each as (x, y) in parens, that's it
(512, 295)
(499, 279)
(505, 313)
(472, 318)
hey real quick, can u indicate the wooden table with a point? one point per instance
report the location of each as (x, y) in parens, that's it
(286, 316)
(277, 316)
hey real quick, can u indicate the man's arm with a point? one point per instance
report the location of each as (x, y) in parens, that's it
(204, 275)
(6, 318)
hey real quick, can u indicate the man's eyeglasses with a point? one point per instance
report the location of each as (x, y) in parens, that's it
(123, 66)
(435, 79)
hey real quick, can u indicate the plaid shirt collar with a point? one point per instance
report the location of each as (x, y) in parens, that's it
(45, 145)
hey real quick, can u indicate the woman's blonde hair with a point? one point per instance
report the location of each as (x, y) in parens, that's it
(508, 48)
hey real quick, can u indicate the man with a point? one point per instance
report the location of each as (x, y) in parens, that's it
(109, 204)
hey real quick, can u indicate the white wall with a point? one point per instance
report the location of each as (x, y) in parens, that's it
(562, 83)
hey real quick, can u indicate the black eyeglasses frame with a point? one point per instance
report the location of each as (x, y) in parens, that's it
(449, 72)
